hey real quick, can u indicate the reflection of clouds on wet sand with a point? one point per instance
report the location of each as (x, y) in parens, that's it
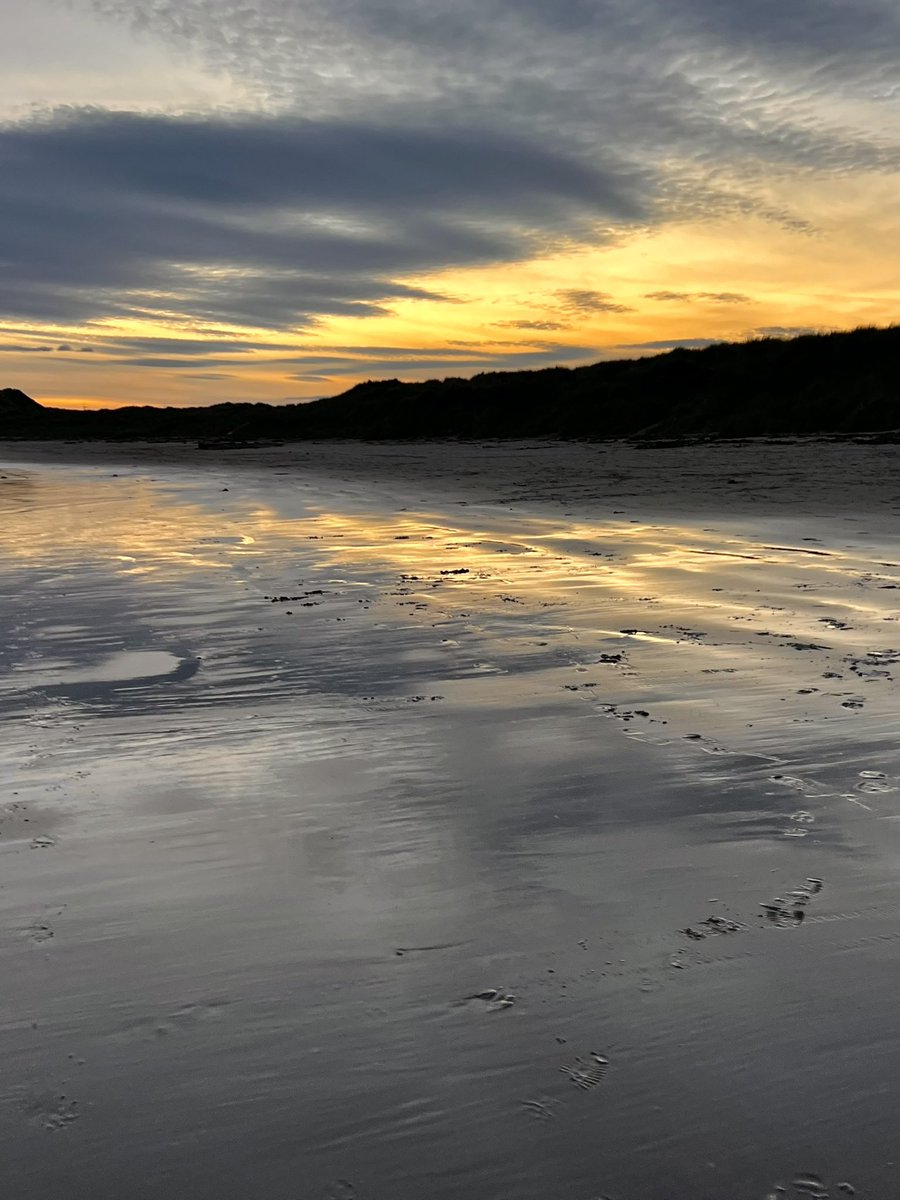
(310, 770)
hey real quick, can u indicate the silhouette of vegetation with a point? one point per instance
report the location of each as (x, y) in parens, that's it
(835, 383)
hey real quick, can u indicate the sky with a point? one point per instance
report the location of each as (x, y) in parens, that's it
(208, 200)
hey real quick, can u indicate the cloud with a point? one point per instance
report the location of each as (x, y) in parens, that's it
(860, 34)
(342, 362)
(324, 362)
(578, 300)
(669, 296)
(687, 297)
(198, 346)
(539, 325)
(672, 344)
(254, 162)
(784, 331)
(174, 364)
(280, 44)
(272, 221)
(709, 88)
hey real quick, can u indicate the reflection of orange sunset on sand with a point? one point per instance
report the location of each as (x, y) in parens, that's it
(310, 747)
(610, 558)
(556, 558)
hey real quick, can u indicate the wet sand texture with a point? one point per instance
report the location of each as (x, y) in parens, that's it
(381, 823)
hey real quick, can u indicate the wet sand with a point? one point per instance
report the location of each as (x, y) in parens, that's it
(450, 821)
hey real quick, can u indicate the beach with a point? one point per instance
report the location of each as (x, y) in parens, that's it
(456, 820)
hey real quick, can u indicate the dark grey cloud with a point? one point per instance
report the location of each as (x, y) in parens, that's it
(341, 361)
(200, 346)
(273, 221)
(174, 364)
(333, 167)
(405, 362)
(804, 30)
(452, 350)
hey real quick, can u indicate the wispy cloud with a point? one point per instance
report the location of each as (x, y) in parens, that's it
(536, 325)
(785, 331)
(687, 297)
(699, 85)
(671, 344)
(578, 300)
(352, 362)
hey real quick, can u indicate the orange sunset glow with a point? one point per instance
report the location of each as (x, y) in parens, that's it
(276, 210)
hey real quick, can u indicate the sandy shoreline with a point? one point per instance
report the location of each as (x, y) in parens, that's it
(795, 477)
(449, 820)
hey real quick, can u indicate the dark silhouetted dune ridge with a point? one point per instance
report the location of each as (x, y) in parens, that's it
(833, 383)
(15, 404)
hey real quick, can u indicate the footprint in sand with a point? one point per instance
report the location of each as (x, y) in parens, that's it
(785, 911)
(809, 1184)
(340, 1189)
(175, 1021)
(52, 1112)
(794, 782)
(40, 930)
(38, 933)
(586, 1073)
(799, 822)
(493, 999)
(874, 782)
(710, 927)
(539, 1110)
(790, 910)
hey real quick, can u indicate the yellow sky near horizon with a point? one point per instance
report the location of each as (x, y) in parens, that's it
(737, 277)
